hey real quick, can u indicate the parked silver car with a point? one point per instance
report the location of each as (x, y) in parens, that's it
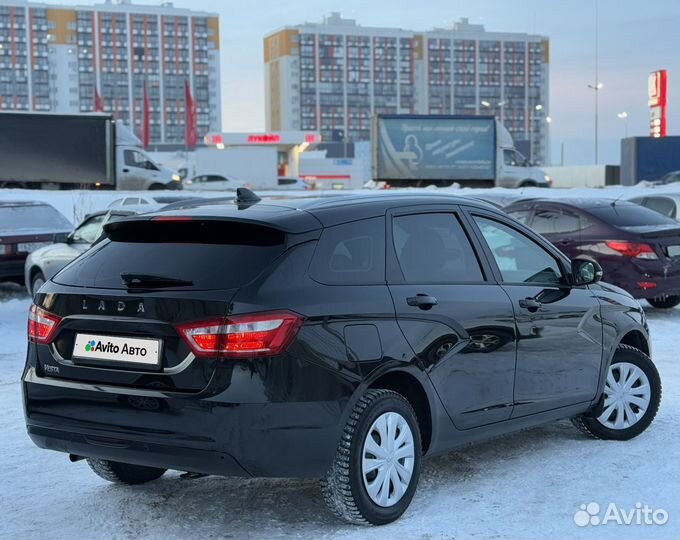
(667, 204)
(43, 263)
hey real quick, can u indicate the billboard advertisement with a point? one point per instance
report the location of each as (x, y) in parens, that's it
(435, 147)
(657, 91)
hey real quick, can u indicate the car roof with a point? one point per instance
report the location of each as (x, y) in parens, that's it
(23, 203)
(302, 214)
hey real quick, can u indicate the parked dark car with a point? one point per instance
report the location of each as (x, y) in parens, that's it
(638, 248)
(343, 338)
(24, 227)
(46, 261)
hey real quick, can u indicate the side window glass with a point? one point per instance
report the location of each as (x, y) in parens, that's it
(88, 232)
(130, 201)
(433, 248)
(554, 221)
(351, 253)
(129, 157)
(662, 205)
(519, 258)
(521, 215)
(509, 157)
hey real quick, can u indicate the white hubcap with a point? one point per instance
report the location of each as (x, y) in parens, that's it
(627, 396)
(388, 459)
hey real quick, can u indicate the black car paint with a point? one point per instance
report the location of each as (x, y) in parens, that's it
(284, 415)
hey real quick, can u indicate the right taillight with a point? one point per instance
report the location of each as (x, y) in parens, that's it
(258, 334)
(632, 249)
(41, 325)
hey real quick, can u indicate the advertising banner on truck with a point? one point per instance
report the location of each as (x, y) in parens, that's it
(434, 148)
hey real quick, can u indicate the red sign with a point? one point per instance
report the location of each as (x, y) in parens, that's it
(266, 138)
(657, 90)
(312, 138)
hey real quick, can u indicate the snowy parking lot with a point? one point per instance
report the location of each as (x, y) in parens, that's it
(526, 486)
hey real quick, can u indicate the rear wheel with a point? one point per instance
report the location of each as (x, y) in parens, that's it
(376, 468)
(664, 302)
(124, 473)
(157, 187)
(632, 394)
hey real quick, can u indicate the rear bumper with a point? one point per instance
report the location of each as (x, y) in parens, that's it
(637, 278)
(188, 433)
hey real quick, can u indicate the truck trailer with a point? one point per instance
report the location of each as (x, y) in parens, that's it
(63, 151)
(473, 151)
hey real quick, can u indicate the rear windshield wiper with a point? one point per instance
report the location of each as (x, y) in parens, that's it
(152, 281)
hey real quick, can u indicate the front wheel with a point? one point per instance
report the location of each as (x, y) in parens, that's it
(664, 302)
(37, 282)
(632, 394)
(375, 470)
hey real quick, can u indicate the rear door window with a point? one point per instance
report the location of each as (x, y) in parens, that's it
(555, 222)
(351, 253)
(433, 248)
(209, 254)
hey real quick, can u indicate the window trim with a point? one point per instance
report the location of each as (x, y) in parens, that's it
(393, 269)
(562, 262)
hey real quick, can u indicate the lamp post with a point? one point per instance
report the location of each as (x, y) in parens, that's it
(596, 88)
(624, 116)
(538, 108)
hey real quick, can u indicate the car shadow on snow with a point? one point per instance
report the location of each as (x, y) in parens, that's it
(233, 505)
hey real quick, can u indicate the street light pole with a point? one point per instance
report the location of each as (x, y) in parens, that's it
(624, 116)
(537, 108)
(598, 85)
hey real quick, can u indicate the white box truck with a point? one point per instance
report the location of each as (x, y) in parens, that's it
(473, 151)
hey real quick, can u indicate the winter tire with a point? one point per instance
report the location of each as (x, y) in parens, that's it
(377, 464)
(632, 394)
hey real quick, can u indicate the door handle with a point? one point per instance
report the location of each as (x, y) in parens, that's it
(126, 170)
(530, 303)
(423, 301)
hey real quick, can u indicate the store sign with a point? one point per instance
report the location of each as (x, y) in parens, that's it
(657, 90)
(265, 138)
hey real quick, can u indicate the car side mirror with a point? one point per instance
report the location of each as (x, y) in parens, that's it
(61, 238)
(585, 270)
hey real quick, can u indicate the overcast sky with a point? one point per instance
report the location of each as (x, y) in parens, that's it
(636, 37)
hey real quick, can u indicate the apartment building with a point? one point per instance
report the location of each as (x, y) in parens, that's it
(59, 58)
(335, 75)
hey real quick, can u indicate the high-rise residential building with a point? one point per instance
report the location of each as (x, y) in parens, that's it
(57, 58)
(334, 76)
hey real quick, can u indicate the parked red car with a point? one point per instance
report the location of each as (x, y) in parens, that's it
(24, 227)
(638, 248)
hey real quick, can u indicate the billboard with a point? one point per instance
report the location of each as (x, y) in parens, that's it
(435, 147)
(657, 90)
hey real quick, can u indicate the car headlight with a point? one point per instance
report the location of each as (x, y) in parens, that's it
(176, 178)
(547, 179)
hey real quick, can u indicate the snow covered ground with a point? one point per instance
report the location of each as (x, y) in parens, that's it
(526, 486)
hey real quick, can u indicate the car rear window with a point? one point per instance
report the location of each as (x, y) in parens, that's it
(210, 254)
(629, 215)
(32, 217)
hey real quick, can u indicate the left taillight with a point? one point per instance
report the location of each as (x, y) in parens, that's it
(258, 334)
(41, 325)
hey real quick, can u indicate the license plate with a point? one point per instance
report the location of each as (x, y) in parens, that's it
(674, 251)
(118, 349)
(30, 247)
